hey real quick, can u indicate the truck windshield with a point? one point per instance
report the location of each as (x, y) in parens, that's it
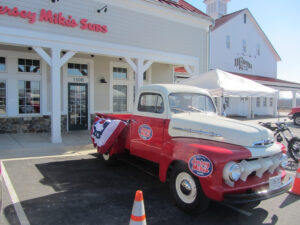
(190, 102)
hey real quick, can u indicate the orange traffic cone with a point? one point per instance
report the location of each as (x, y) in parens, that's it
(138, 216)
(296, 186)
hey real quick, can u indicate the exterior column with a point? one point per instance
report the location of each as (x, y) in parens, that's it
(56, 97)
(294, 103)
(275, 105)
(220, 106)
(249, 116)
(139, 75)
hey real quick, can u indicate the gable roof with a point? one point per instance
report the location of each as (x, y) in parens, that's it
(181, 4)
(224, 19)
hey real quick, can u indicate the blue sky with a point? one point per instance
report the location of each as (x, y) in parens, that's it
(280, 20)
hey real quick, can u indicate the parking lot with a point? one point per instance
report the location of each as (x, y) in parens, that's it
(80, 189)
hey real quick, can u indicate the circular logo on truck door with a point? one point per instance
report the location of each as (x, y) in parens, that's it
(145, 132)
(200, 165)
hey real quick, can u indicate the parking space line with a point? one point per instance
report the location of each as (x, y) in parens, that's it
(14, 197)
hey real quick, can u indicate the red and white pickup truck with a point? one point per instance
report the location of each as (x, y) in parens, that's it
(203, 156)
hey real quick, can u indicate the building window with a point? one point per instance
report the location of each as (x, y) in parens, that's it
(258, 49)
(2, 64)
(271, 102)
(245, 18)
(258, 102)
(28, 66)
(265, 102)
(119, 98)
(152, 103)
(244, 46)
(119, 73)
(29, 97)
(227, 41)
(75, 69)
(226, 102)
(2, 97)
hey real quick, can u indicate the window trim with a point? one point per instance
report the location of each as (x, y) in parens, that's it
(71, 75)
(29, 114)
(151, 93)
(28, 73)
(6, 92)
(4, 71)
(120, 79)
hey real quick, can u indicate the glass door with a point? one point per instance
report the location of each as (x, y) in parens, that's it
(78, 106)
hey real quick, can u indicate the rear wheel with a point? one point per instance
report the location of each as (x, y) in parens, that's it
(294, 148)
(108, 159)
(297, 120)
(186, 190)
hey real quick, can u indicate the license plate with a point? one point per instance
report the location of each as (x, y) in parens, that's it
(274, 182)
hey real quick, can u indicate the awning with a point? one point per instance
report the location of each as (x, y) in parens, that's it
(221, 83)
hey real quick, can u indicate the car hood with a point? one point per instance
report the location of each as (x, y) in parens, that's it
(214, 127)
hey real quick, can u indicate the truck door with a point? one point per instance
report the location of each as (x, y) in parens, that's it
(147, 127)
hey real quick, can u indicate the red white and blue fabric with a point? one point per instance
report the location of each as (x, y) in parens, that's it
(105, 132)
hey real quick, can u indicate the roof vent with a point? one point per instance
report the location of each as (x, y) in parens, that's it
(216, 8)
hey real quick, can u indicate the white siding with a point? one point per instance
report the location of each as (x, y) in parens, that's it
(124, 27)
(223, 58)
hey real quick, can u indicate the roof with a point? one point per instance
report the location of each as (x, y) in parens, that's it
(167, 89)
(224, 19)
(267, 79)
(251, 77)
(181, 4)
(219, 22)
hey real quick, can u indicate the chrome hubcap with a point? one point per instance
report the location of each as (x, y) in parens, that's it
(185, 187)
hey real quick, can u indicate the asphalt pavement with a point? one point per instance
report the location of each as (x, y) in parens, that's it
(66, 184)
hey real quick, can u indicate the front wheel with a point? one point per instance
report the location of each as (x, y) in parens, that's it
(297, 120)
(294, 148)
(186, 190)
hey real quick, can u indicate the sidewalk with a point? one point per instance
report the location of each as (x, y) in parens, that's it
(31, 145)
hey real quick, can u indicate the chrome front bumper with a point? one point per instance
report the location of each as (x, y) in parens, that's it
(258, 196)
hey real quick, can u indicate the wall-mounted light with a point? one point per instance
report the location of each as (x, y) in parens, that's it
(120, 59)
(102, 80)
(63, 52)
(103, 9)
(92, 56)
(54, 1)
(29, 48)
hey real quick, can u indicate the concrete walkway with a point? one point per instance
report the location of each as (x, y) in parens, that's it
(30, 145)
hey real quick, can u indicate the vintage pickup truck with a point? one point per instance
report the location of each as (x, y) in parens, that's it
(203, 156)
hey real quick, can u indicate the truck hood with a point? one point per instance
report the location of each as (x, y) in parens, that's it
(214, 127)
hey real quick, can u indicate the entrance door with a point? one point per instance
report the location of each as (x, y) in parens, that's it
(78, 106)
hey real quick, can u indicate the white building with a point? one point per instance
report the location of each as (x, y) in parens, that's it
(61, 61)
(238, 45)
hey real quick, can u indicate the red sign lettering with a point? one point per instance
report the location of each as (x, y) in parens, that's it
(53, 18)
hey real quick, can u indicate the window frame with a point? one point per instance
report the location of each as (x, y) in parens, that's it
(40, 98)
(29, 73)
(258, 101)
(5, 58)
(155, 111)
(120, 67)
(5, 82)
(80, 64)
(127, 100)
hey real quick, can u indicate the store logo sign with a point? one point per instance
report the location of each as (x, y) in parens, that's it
(53, 18)
(242, 64)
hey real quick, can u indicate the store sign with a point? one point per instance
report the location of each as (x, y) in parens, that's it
(53, 18)
(242, 64)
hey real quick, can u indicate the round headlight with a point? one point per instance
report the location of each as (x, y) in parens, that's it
(232, 172)
(284, 160)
